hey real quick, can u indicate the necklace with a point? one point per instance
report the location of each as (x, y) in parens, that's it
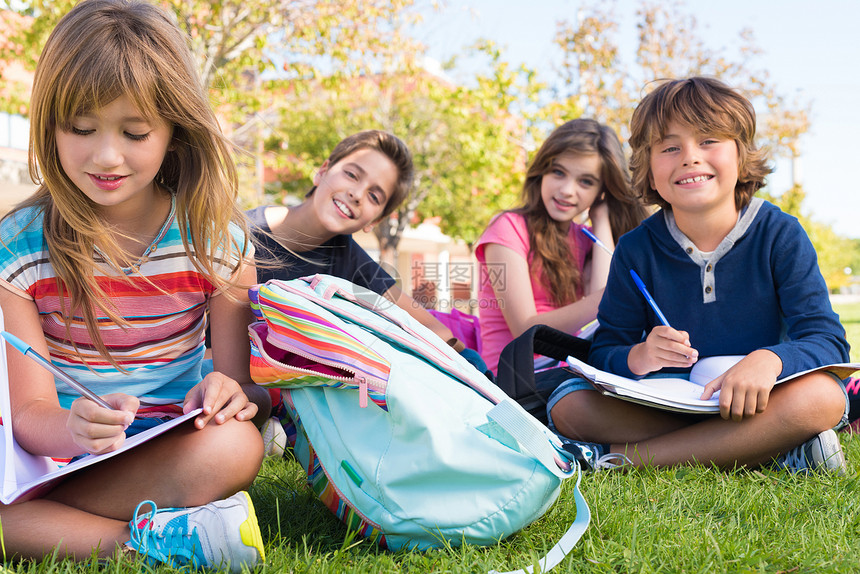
(152, 246)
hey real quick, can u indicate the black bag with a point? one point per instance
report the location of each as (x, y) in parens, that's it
(516, 374)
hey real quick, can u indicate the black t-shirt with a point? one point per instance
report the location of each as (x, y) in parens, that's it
(340, 256)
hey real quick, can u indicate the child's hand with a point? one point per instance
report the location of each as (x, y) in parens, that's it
(598, 213)
(745, 388)
(98, 430)
(664, 347)
(221, 399)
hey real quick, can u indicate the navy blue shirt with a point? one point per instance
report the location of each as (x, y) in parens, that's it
(340, 256)
(760, 289)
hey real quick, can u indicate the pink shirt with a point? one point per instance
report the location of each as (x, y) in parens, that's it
(509, 229)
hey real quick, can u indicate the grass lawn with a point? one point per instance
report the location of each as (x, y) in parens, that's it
(688, 519)
(849, 315)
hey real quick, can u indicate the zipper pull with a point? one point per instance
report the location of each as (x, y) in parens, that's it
(362, 392)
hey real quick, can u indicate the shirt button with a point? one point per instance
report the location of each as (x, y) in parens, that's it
(708, 268)
(689, 250)
(708, 289)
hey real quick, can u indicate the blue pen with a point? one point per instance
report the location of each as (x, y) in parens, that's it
(641, 285)
(596, 241)
(28, 351)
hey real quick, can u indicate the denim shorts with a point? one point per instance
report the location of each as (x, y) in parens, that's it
(565, 388)
(579, 384)
(844, 422)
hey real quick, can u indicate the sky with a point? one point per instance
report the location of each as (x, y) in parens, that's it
(810, 48)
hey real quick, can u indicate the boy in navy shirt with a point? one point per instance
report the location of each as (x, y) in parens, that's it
(733, 275)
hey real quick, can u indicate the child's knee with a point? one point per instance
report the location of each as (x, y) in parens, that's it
(836, 397)
(571, 415)
(819, 398)
(234, 448)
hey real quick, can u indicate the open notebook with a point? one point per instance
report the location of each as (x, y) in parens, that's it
(680, 395)
(26, 475)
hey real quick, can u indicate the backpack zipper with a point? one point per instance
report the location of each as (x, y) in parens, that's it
(352, 377)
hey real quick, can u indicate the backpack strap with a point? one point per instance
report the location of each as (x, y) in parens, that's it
(534, 437)
(543, 340)
(516, 372)
(568, 539)
(516, 377)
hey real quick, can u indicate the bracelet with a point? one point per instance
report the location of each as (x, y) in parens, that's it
(456, 344)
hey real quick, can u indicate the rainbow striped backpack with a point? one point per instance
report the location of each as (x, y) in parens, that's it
(401, 438)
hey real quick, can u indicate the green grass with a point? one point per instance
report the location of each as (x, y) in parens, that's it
(692, 520)
(849, 315)
(675, 520)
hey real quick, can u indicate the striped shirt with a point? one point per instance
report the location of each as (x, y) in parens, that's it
(161, 347)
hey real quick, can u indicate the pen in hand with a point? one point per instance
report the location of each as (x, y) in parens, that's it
(28, 351)
(595, 239)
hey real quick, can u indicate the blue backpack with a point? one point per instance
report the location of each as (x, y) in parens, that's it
(401, 438)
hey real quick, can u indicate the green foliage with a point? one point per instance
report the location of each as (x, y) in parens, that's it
(468, 144)
(231, 38)
(481, 166)
(849, 316)
(854, 248)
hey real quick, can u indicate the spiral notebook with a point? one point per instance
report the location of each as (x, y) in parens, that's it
(679, 394)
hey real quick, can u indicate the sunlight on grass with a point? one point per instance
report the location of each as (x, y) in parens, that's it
(849, 315)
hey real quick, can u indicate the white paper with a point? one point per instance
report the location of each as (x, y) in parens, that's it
(26, 475)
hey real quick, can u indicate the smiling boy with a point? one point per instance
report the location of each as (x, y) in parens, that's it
(366, 177)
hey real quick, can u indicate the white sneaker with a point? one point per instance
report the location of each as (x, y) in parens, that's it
(274, 437)
(821, 452)
(222, 534)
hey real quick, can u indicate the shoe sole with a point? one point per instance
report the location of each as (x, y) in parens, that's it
(249, 530)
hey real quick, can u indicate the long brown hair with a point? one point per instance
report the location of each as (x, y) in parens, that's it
(551, 256)
(99, 51)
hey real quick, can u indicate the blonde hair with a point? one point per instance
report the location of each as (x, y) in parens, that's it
(705, 105)
(550, 246)
(101, 50)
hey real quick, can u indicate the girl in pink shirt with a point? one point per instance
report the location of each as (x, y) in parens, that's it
(537, 266)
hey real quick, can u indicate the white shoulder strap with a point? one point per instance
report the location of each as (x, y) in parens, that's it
(568, 540)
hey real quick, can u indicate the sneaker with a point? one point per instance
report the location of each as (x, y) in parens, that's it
(821, 452)
(593, 456)
(274, 437)
(222, 534)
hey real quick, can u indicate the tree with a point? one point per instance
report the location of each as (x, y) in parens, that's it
(467, 143)
(669, 46)
(236, 43)
(231, 38)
